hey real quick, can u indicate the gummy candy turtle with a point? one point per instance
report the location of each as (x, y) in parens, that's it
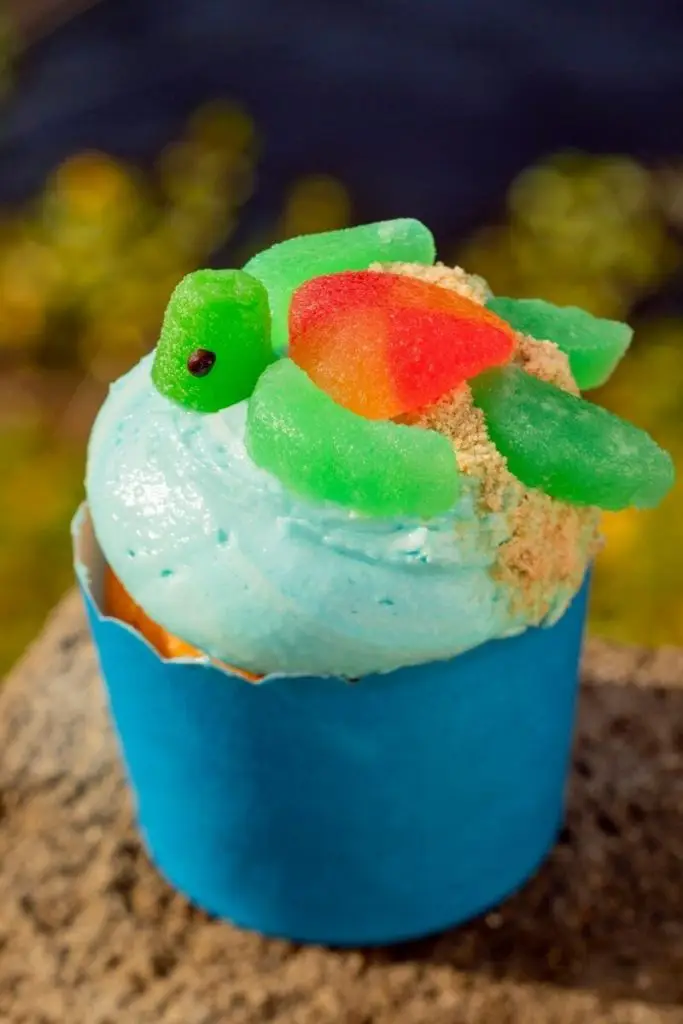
(329, 352)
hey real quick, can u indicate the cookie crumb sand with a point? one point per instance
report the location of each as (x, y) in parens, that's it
(544, 360)
(549, 542)
(454, 278)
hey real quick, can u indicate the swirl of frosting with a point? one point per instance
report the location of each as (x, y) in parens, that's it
(219, 553)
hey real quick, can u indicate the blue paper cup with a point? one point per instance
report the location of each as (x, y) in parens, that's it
(346, 814)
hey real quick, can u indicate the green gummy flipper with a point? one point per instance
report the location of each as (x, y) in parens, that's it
(285, 266)
(324, 452)
(593, 345)
(570, 448)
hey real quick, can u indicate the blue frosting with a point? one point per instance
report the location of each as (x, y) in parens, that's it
(218, 552)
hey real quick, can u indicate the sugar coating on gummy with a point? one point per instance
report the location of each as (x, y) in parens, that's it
(570, 448)
(384, 344)
(215, 340)
(322, 451)
(285, 266)
(593, 345)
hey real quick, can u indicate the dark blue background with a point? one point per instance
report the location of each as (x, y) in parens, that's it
(426, 107)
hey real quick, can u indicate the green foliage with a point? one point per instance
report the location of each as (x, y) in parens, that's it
(85, 274)
(580, 231)
(599, 233)
(41, 486)
(638, 594)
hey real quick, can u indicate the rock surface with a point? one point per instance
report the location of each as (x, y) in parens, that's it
(89, 934)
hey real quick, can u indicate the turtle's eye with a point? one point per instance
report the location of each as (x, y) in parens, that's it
(201, 361)
(215, 340)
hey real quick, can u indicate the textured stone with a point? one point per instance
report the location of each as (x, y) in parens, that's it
(89, 934)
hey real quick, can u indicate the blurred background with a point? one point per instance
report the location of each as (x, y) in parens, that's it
(543, 143)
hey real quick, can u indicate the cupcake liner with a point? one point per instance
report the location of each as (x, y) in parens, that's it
(349, 814)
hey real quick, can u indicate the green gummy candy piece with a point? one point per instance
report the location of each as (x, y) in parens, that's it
(215, 340)
(285, 266)
(593, 345)
(568, 447)
(325, 452)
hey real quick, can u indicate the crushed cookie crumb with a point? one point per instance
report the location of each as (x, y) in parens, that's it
(456, 416)
(550, 543)
(454, 278)
(544, 360)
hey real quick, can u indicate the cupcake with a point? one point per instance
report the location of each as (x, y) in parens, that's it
(335, 556)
